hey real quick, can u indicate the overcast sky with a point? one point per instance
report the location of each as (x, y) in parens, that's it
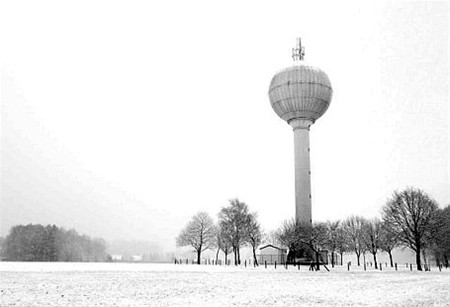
(123, 119)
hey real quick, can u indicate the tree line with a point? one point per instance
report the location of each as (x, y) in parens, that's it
(51, 243)
(410, 218)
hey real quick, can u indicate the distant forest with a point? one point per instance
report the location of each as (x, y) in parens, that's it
(51, 243)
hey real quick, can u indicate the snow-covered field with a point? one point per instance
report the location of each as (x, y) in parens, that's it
(132, 284)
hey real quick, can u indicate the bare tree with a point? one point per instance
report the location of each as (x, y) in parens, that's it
(388, 240)
(200, 233)
(353, 230)
(295, 235)
(441, 242)
(254, 233)
(289, 234)
(371, 237)
(232, 222)
(332, 240)
(222, 244)
(225, 246)
(217, 243)
(412, 214)
(342, 243)
(318, 240)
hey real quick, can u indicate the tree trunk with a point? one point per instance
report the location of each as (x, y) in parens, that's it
(419, 266)
(226, 258)
(342, 258)
(424, 257)
(437, 258)
(332, 259)
(254, 256)
(238, 256)
(199, 252)
(235, 255)
(317, 261)
(217, 255)
(375, 260)
(357, 257)
(390, 258)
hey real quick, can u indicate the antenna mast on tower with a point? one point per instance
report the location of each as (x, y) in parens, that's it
(298, 53)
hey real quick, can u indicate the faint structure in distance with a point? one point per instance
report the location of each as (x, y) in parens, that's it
(300, 94)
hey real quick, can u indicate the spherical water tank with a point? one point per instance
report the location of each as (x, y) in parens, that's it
(300, 92)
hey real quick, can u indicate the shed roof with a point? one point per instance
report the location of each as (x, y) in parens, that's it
(270, 245)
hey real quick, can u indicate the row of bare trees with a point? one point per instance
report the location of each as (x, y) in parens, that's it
(363, 236)
(354, 234)
(410, 218)
(236, 227)
(418, 223)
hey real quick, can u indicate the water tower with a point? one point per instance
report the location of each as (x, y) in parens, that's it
(300, 94)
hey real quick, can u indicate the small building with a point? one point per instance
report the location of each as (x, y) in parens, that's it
(136, 258)
(270, 253)
(116, 257)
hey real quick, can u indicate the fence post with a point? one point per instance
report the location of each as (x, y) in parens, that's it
(348, 266)
(396, 266)
(381, 267)
(275, 265)
(410, 266)
(245, 263)
(364, 266)
(298, 266)
(265, 264)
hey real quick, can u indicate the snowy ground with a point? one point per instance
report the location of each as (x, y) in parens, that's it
(121, 284)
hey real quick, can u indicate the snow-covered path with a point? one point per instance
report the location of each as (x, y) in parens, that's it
(120, 284)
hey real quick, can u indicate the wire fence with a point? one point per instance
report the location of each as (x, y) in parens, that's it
(274, 260)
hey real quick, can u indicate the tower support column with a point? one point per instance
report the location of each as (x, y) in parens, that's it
(302, 170)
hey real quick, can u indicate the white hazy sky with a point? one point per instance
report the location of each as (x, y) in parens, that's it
(123, 119)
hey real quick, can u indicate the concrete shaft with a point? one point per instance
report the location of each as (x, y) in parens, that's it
(302, 170)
